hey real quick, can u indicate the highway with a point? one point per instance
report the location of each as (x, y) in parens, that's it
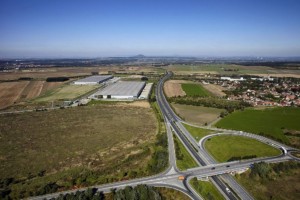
(218, 172)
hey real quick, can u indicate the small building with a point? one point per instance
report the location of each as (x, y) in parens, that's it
(232, 79)
(93, 80)
(146, 91)
(121, 90)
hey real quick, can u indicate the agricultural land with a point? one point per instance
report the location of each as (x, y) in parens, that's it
(198, 115)
(173, 88)
(194, 90)
(281, 124)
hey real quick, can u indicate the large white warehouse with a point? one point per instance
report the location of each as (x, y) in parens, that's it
(93, 80)
(121, 90)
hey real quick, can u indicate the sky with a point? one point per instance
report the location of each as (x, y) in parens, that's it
(100, 28)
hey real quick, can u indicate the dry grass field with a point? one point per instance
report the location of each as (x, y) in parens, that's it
(20, 91)
(68, 143)
(10, 92)
(173, 88)
(197, 115)
(216, 90)
(66, 92)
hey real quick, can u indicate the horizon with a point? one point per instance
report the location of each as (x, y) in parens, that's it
(98, 29)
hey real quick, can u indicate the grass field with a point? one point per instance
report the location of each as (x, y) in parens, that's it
(198, 133)
(226, 147)
(83, 145)
(191, 89)
(269, 122)
(171, 194)
(219, 69)
(66, 92)
(206, 189)
(283, 185)
(184, 160)
(198, 115)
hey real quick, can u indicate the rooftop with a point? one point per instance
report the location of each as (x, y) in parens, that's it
(123, 88)
(95, 78)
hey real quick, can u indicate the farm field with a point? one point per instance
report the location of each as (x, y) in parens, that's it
(172, 88)
(227, 148)
(198, 133)
(191, 89)
(198, 115)
(279, 184)
(74, 147)
(43, 73)
(10, 92)
(216, 90)
(206, 189)
(273, 122)
(218, 69)
(67, 92)
(224, 69)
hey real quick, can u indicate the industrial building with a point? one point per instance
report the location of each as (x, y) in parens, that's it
(121, 90)
(93, 80)
(146, 91)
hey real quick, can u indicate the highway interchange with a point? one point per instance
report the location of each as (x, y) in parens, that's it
(218, 173)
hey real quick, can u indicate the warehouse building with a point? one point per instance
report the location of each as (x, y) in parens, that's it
(146, 91)
(93, 80)
(121, 90)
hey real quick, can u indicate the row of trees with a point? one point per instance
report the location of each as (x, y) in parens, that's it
(140, 192)
(214, 102)
(265, 171)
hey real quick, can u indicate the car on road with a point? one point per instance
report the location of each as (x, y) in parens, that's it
(227, 190)
(227, 165)
(213, 168)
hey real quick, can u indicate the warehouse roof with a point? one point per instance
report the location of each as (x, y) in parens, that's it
(123, 88)
(95, 78)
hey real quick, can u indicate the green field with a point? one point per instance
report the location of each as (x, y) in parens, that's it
(198, 115)
(206, 189)
(220, 69)
(268, 122)
(184, 160)
(67, 92)
(77, 146)
(227, 147)
(198, 133)
(194, 90)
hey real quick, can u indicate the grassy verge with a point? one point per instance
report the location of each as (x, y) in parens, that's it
(228, 148)
(194, 90)
(198, 133)
(171, 194)
(184, 160)
(206, 189)
(277, 123)
(272, 181)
